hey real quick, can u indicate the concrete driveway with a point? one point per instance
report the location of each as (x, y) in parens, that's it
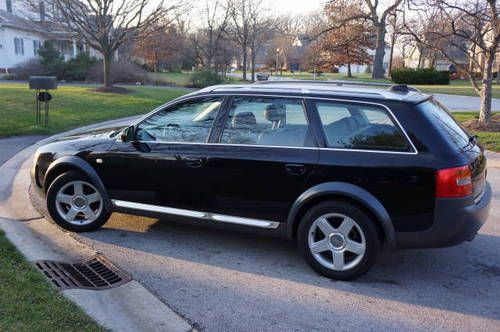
(226, 281)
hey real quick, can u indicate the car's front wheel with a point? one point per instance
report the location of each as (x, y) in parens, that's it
(75, 204)
(338, 240)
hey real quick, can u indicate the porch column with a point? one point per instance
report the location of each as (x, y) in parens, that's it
(74, 48)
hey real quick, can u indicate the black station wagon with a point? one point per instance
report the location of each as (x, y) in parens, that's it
(342, 169)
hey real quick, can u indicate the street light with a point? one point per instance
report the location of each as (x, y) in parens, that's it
(277, 59)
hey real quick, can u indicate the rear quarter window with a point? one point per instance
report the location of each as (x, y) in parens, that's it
(444, 122)
(360, 126)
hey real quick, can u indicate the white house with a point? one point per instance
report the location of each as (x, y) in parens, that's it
(357, 68)
(22, 32)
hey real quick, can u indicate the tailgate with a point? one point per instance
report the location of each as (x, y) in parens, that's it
(478, 172)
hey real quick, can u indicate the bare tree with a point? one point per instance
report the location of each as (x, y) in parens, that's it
(377, 13)
(396, 24)
(287, 30)
(207, 41)
(260, 34)
(247, 25)
(472, 27)
(107, 24)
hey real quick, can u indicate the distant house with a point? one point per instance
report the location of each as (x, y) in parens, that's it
(23, 31)
(301, 46)
(421, 57)
(359, 68)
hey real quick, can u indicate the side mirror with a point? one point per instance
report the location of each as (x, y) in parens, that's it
(128, 134)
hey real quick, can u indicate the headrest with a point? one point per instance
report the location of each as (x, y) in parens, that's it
(275, 112)
(244, 119)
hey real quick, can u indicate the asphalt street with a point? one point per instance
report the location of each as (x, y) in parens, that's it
(225, 281)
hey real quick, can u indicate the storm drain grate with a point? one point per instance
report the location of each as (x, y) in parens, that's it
(94, 273)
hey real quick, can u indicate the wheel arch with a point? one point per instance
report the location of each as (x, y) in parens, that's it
(346, 191)
(67, 163)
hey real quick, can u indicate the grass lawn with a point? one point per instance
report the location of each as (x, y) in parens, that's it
(74, 106)
(457, 87)
(29, 303)
(490, 140)
(180, 79)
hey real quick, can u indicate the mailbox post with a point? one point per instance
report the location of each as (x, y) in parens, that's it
(39, 83)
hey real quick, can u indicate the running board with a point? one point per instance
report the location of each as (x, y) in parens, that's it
(196, 214)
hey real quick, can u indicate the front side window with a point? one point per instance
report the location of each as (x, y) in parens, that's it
(266, 121)
(188, 122)
(36, 46)
(19, 46)
(8, 4)
(359, 126)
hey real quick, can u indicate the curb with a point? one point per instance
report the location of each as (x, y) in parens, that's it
(129, 307)
(493, 159)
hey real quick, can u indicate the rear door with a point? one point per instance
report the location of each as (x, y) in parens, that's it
(261, 158)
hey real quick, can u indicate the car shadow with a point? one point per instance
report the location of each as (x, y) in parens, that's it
(464, 278)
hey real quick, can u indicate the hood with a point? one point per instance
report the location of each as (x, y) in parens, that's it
(82, 143)
(104, 132)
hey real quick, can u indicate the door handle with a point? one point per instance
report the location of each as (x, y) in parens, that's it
(194, 162)
(295, 169)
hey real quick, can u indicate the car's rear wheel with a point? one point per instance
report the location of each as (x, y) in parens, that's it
(338, 240)
(75, 204)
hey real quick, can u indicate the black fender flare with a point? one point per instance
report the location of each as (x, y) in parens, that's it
(81, 165)
(348, 190)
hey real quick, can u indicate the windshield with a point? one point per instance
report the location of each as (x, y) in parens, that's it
(446, 124)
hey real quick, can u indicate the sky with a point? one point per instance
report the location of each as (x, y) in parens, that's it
(293, 6)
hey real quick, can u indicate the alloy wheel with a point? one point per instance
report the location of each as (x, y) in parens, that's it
(79, 203)
(336, 241)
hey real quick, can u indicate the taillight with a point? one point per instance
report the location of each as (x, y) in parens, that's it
(454, 182)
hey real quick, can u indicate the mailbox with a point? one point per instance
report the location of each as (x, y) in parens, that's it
(45, 83)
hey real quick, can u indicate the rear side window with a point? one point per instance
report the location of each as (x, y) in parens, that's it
(446, 124)
(267, 121)
(359, 126)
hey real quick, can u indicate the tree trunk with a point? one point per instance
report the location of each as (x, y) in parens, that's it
(107, 59)
(253, 64)
(245, 59)
(391, 55)
(420, 58)
(486, 93)
(498, 71)
(378, 60)
(349, 72)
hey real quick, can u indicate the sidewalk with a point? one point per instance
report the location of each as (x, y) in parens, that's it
(11, 145)
(129, 307)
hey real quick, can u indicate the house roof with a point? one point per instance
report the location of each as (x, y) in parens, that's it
(48, 29)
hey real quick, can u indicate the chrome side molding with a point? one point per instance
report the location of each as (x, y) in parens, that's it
(196, 214)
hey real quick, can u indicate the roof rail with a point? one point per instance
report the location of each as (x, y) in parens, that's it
(389, 86)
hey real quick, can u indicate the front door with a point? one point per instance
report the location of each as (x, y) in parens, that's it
(164, 165)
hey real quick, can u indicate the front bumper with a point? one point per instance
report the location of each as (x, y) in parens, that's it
(455, 221)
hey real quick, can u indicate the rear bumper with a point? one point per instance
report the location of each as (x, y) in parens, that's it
(455, 221)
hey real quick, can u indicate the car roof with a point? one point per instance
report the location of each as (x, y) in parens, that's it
(347, 89)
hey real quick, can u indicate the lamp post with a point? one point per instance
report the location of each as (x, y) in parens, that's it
(277, 60)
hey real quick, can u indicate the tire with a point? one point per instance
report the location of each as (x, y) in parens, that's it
(332, 256)
(75, 204)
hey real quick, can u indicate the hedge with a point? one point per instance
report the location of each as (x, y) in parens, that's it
(420, 76)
